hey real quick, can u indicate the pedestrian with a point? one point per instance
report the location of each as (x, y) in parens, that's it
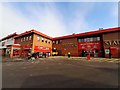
(49, 54)
(68, 54)
(44, 54)
(29, 55)
(32, 57)
(82, 54)
(110, 55)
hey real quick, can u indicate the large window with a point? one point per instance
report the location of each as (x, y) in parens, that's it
(26, 38)
(56, 42)
(88, 40)
(98, 38)
(30, 37)
(21, 39)
(91, 39)
(81, 40)
(95, 39)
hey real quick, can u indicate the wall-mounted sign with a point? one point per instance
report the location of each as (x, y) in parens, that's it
(107, 51)
(112, 42)
(42, 49)
(89, 46)
(69, 45)
(27, 47)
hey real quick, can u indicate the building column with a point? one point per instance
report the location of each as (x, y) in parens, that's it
(11, 53)
(33, 44)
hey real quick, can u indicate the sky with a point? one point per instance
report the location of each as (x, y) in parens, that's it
(57, 18)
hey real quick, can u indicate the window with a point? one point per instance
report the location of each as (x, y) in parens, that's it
(53, 42)
(49, 42)
(26, 38)
(88, 40)
(21, 39)
(56, 42)
(60, 41)
(46, 41)
(91, 39)
(85, 40)
(79, 40)
(42, 39)
(82, 40)
(98, 38)
(30, 37)
(38, 38)
(94, 39)
(3, 43)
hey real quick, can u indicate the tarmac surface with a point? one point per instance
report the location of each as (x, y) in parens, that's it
(60, 72)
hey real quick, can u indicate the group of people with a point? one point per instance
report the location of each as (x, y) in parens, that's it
(85, 53)
(37, 55)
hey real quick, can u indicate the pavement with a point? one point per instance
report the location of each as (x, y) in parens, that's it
(114, 60)
(60, 72)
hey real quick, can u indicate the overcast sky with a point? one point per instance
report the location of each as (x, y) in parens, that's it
(57, 18)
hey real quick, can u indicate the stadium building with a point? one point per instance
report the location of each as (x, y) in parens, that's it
(96, 43)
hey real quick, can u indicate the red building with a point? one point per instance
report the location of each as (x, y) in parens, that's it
(8, 46)
(96, 43)
(34, 41)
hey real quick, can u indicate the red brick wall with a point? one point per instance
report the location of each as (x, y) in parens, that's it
(112, 37)
(24, 43)
(67, 45)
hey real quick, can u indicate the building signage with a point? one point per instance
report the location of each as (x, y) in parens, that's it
(107, 51)
(42, 49)
(27, 47)
(67, 45)
(90, 46)
(112, 42)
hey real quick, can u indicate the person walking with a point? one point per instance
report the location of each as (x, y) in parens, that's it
(29, 55)
(110, 55)
(68, 54)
